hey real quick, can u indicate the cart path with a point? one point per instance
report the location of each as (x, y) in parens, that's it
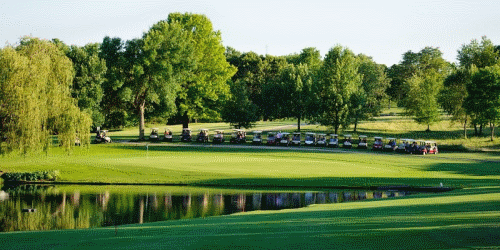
(296, 148)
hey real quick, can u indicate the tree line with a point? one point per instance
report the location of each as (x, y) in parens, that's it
(179, 71)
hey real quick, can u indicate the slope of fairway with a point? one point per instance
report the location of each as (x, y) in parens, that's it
(456, 220)
(255, 167)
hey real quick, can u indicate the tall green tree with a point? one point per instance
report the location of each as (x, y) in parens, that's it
(90, 71)
(296, 86)
(454, 93)
(368, 101)
(480, 54)
(200, 96)
(483, 97)
(271, 101)
(339, 80)
(35, 98)
(239, 110)
(472, 56)
(116, 99)
(156, 65)
(428, 71)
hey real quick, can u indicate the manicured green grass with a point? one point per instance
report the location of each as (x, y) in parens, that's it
(184, 164)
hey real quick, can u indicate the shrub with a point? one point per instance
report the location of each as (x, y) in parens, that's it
(32, 176)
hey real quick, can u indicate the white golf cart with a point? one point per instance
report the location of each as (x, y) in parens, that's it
(296, 139)
(186, 135)
(102, 137)
(285, 139)
(203, 135)
(402, 145)
(347, 143)
(218, 137)
(362, 143)
(333, 142)
(154, 135)
(321, 141)
(257, 137)
(167, 135)
(238, 136)
(390, 144)
(310, 139)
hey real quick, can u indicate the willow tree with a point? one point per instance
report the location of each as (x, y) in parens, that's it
(35, 98)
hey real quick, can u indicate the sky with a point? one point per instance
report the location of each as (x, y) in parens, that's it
(384, 30)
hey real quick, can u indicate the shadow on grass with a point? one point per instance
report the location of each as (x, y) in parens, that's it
(363, 183)
(484, 168)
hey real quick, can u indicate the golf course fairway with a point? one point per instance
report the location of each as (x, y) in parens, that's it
(467, 217)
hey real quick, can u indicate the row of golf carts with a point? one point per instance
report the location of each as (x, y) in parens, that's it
(238, 136)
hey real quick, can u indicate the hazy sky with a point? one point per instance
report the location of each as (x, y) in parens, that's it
(381, 29)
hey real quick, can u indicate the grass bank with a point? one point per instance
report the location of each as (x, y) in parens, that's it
(463, 219)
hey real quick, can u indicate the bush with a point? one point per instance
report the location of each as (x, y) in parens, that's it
(32, 176)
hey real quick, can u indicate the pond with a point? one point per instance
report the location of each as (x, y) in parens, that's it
(40, 207)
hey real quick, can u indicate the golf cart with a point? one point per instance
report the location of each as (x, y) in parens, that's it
(378, 144)
(285, 139)
(333, 142)
(102, 137)
(362, 143)
(203, 135)
(390, 144)
(154, 135)
(296, 139)
(321, 140)
(238, 136)
(427, 147)
(257, 137)
(347, 141)
(167, 136)
(186, 135)
(402, 145)
(271, 138)
(310, 139)
(218, 137)
(412, 146)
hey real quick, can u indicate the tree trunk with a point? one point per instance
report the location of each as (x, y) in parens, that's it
(185, 120)
(428, 128)
(492, 126)
(481, 129)
(336, 129)
(475, 129)
(298, 123)
(355, 125)
(141, 120)
(465, 128)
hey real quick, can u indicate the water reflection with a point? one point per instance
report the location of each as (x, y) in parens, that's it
(71, 210)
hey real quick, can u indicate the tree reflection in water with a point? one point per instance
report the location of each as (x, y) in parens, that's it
(64, 210)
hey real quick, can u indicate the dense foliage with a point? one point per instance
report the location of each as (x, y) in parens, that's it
(179, 71)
